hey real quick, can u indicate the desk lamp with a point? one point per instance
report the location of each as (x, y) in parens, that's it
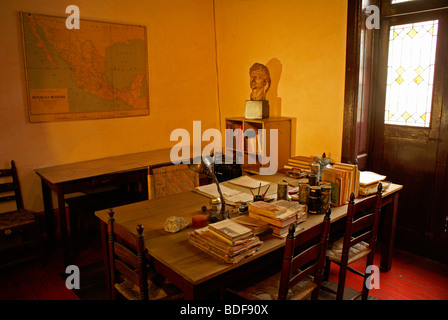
(205, 167)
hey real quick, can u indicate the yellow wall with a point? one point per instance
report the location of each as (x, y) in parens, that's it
(182, 86)
(301, 42)
(303, 45)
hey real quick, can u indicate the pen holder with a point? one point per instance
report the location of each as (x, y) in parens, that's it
(258, 197)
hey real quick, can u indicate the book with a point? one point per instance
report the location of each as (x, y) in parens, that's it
(290, 205)
(339, 178)
(367, 178)
(222, 248)
(300, 162)
(353, 176)
(257, 226)
(282, 232)
(230, 229)
(279, 221)
(266, 209)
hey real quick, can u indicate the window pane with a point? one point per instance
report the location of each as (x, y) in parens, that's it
(410, 73)
(399, 1)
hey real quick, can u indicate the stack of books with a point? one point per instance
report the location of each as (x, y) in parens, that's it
(226, 240)
(279, 215)
(299, 162)
(368, 182)
(258, 227)
(344, 179)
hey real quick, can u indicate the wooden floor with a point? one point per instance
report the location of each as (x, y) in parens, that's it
(411, 278)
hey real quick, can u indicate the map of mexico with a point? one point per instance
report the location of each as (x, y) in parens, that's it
(97, 71)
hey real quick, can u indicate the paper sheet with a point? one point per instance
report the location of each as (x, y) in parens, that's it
(248, 182)
(212, 190)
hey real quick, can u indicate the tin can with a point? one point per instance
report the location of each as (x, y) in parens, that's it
(315, 168)
(325, 196)
(282, 190)
(314, 200)
(312, 180)
(215, 204)
(304, 193)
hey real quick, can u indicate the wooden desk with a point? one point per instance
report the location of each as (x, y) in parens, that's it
(90, 176)
(194, 271)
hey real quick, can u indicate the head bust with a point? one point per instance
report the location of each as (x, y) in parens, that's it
(259, 80)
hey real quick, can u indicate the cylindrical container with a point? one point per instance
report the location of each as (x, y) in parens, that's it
(282, 190)
(304, 193)
(315, 169)
(312, 180)
(215, 204)
(243, 208)
(325, 197)
(314, 200)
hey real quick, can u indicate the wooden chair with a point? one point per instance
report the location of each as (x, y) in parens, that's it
(359, 241)
(19, 228)
(302, 268)
(130, 271)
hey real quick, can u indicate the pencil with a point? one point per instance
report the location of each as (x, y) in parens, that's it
(266, 191)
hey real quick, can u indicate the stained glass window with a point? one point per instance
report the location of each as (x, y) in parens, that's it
(410, 73)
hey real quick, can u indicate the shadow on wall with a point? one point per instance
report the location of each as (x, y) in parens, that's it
(275, 102)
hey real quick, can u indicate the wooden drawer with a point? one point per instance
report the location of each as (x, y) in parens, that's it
(88, 184)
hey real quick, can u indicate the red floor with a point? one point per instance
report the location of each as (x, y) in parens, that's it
(411, 278)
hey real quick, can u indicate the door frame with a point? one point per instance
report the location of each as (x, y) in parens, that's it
(436, 234)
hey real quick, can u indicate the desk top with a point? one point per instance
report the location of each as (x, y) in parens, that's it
(91, 168)
(174, 250)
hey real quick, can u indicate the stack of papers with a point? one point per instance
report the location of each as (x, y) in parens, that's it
(233, 196)
(226, 240)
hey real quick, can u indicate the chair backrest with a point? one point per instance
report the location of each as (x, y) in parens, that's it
(10, 187)
(127, 255)
(304, 255)
(362, 221)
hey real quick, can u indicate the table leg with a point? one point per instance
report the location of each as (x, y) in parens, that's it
(387, 241)
(66, 246)
(48, 207)
(103, 229)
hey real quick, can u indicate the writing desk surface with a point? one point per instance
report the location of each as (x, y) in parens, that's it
(97, 167)
(174, 250)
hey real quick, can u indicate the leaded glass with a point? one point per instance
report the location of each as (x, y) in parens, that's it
(410, 73)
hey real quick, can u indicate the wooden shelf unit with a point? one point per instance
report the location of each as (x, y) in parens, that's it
(247, 145)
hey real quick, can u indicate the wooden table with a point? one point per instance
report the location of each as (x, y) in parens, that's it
(196, 272)
(90, 176)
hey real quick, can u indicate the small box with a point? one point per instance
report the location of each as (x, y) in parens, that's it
(257, 109)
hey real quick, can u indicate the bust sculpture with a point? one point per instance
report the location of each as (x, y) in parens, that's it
(260, 81)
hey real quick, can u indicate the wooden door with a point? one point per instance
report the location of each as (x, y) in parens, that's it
(410, 143)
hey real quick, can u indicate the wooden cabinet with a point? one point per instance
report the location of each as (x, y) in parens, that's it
(253, 143)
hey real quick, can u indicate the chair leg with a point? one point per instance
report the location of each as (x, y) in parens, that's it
(365, 289)
(341, 280)
(327, 266)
